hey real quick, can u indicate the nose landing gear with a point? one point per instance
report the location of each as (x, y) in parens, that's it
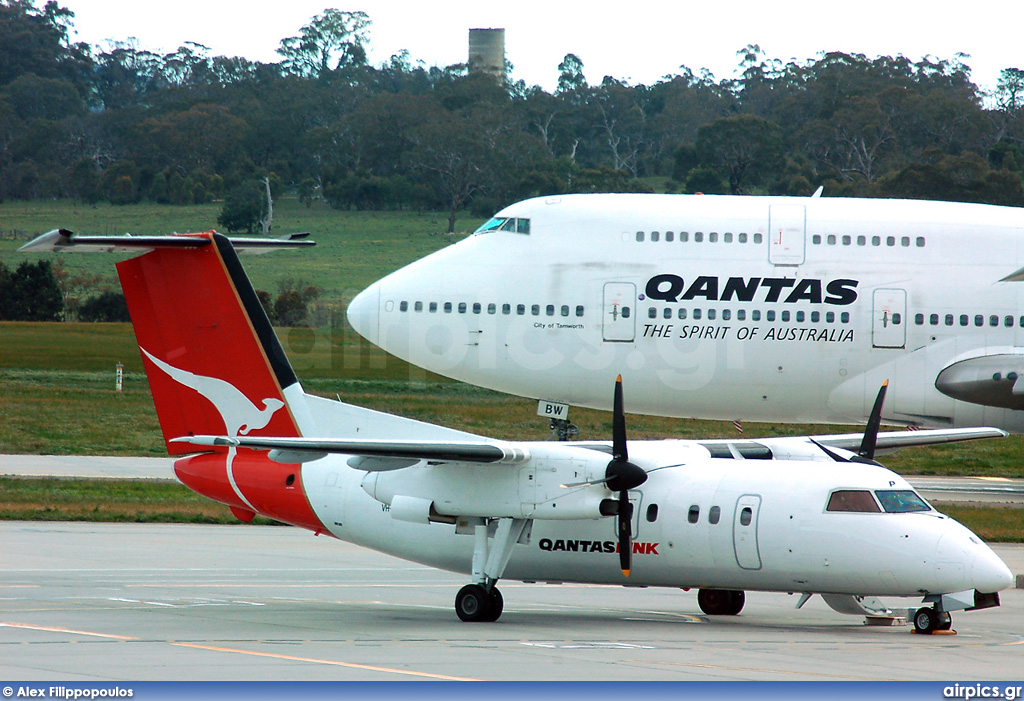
(928, 620)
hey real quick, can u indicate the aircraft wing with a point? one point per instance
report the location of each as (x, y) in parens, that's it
(394, 454)
(60, 239)
(891, 440)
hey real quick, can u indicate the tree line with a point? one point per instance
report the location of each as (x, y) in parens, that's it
(122, 124)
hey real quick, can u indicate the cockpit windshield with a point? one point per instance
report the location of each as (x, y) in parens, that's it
(901, 501)
(517, 225)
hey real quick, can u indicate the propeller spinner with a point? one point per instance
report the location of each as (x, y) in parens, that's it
(621, 475)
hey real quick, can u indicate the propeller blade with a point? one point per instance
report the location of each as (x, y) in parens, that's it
(625, 533)
(619, 451)
(867, 445)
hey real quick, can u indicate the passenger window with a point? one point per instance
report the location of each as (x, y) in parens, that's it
(830, 317)
(905, 241)
(755, 315)
(447, 307)
(726, 315)
(713, 237)
(711, 314)
(785, 315)
(433, 307)
(831, 239)
(550, 309)
(696, 313)
(669, 236)
(535, 310)
(520, 309)
(862, 240)
(418, 306)
(949, 320)
(682, 313)
(815, 317)
(890, 240)
(727, 237)
(845, 317)
(979, 320)
(640, 236)
(920, 241)
(579, 310)
(684, 236)
(476, 307)
(694, 514)
(625, 312)
(852, 500)
(746, 516)
(1008, 321)
(919, 319)
(698, 237)
(933, 319)
(799, 316)
(403, 306)
(565, 310)
(652, 313)
(667, 312)
(652, 513)
(741, 315)
(901, 501)
(758, 238)
(462, 307)
(492, 308)
(714, 514)
(769, 315)
(993, 320)
(876, 240)
(846, 240)
(964, 320)
(742, 238)
(506, 309)
(816, 239)
(655, 236)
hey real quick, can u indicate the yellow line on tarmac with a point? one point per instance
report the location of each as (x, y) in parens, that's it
(49, 629)
(335, 663)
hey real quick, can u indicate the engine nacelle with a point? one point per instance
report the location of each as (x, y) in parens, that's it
(561, 484)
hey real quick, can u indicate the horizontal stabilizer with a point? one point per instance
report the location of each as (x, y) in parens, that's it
(62, 239)
(314, 448)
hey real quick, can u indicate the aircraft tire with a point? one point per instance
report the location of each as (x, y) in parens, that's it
(720, 602)
(496, 604)
(473, 604)
(926, 620)
(945, 621)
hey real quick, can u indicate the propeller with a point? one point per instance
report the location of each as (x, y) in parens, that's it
(620, 476)
(866, 452)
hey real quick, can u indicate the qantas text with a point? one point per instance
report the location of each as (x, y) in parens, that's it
(595, 546)
(672, 288)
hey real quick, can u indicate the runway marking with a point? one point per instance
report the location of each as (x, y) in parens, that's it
(49, 629)
(764, 671)
(334, 663)
(994, 479)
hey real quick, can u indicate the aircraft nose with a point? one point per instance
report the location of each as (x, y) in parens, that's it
(990, 573)
(364, 313)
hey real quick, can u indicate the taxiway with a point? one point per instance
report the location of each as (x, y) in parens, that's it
(179, 602)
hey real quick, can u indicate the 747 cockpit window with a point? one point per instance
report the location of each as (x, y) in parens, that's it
(515, 225)
(901, 501)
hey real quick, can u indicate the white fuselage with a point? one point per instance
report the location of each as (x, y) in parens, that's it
(755, 308)
(712, 523)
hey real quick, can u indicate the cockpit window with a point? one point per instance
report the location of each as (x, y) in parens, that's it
(853, 500)
(512, 224)
(901, 501)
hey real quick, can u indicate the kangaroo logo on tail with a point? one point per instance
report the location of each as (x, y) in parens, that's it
(239, 413)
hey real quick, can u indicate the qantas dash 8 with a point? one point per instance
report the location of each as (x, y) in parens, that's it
(728, 307)
(796, 515)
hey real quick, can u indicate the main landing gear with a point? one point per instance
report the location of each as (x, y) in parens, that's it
(481, 601)
(720, 602)
(927, 620)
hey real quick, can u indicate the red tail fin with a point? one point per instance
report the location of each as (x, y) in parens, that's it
(215, 365)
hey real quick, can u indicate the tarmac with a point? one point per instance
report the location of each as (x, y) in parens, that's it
(90, 602)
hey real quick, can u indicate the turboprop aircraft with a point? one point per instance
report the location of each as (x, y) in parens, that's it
(803, 515)
(726, 307)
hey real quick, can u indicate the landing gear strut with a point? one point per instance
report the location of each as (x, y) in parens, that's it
(927, 620)
(481, 602)
(720, 602)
